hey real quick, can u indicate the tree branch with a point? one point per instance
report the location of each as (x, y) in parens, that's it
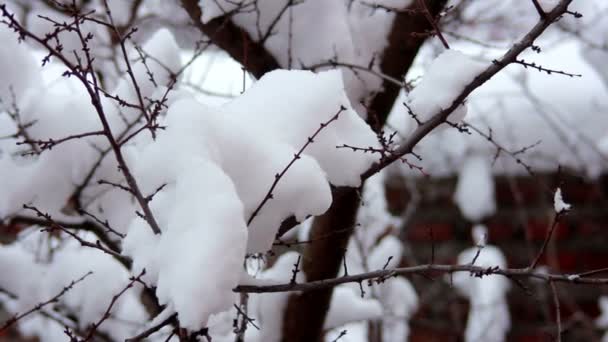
(381, 275)
(234, 40)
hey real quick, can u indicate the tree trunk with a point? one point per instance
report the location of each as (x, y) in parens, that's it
(305, 314)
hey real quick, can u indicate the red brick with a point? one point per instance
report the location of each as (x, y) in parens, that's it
(537, 229)
(592, 228)
(422, 232)
(568, 261)
(499, 231)
(397, 198)
(429, 335)
(532, 337)
(593, 260)
(578, 192)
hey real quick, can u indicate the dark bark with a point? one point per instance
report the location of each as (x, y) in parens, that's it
(234, 40)
(400, 53)
(305, 313)
(322, 259)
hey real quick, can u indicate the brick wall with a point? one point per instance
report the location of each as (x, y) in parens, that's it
(524, 213)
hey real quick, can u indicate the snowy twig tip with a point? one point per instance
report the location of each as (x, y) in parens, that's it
(558, 203)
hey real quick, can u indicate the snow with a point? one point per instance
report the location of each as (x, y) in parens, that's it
(20, 73)
(374, 246)
(268, 308)
(548, 5)
(375, 241)
(479, 233)
(573, 277)
(164, 65)
(218, 143)
(349, 31)
(474, 193)
(21, 276)
(488, 318)
(195, 239)
(400, 302)
(38, 24)
(320, 161)
(347, 306)
(203, 218)
(602, 320)
(38, 278)
(443, 81)
(386, 253)
(352, 332)
(218, 160)
(374, 222)
(558, 203)
(560, 116)
(60, 107)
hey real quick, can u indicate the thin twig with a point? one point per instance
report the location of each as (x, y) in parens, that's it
(296, 156)
(153, 329)
(477, 271)
(558, 316)
(115, 298)
(543, 248)
(39, 306)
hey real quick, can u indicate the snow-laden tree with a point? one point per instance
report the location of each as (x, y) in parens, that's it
(154, 191)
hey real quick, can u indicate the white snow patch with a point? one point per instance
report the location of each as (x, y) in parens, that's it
(442, 82)
(347, 306)
(558, 202)
(475, 189)
(489, 318)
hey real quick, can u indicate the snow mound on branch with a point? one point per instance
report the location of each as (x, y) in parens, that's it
(475, 189)
(268, 308)
(17, 67)
(602, 320)
(489, 318)
(218, 164)
(37, 280)
(343, 31)
(293, 99)
(347, 306)
(20, 276)
(443, 81)
(58, 107)
(558, 202)
(554, 121)
(152, 77)
(38, 24)
(375, 246)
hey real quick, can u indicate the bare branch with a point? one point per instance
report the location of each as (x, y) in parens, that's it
(379, 275)
(296, 156)
(115, 298)
(39, 306)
